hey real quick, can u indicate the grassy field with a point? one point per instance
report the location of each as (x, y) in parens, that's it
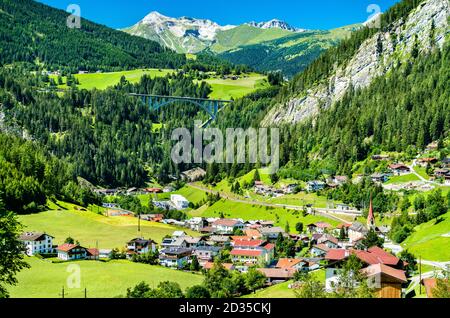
(89, 228)
(403, 178)
(421, 171)
(428, 241)
(105, 80)
(228, 88)
(245, 211)
(101, 279)
(222, 88)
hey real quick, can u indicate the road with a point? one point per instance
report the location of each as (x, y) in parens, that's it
(411, 167)
(329, 213)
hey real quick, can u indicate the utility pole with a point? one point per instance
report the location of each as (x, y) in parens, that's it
(420, 274)
(139, 223)
(85, 292)
(62, 292)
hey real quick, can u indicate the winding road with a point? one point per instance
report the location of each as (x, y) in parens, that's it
(329, 213)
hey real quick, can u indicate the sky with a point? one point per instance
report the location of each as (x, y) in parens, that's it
(308, 14)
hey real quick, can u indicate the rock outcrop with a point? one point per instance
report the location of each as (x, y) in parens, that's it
(369, 62)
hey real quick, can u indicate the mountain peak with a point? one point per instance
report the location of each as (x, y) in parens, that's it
(155, 17)
(274, 24)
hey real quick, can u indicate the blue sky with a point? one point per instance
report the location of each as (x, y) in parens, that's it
(318, 14)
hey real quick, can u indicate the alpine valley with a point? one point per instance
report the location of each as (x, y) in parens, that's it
(89, 136)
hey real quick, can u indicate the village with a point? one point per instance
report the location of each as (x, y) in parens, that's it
(241, 245)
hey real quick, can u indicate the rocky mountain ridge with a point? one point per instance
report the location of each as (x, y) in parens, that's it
(427, 24)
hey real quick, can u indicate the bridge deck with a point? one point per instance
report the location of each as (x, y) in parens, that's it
(183, 98)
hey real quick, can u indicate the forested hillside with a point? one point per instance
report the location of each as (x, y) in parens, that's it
(107, 135)
(402, 111)
(29, 176)
(36, 33)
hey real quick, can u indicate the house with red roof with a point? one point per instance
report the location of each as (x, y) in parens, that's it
(68, 252)
(249, 251)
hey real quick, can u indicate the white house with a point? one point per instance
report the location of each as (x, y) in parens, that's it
(175, 256)
(69, 252)
(179, 201)
(140, 246)
(357, 231)
(37, 243)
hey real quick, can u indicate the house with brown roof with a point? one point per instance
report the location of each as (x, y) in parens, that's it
(381, 267)
(277, 275)
(399, 169)
(386, 281)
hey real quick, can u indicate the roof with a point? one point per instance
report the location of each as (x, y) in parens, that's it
(358, 227)
(141, 241)
(176, 251)
(327, 237)
(92, 252)
(67, 247)
(277, 272)
(336, 254)
(219, 238)
(385, 257)
(209, 265)
(396, 166)
(269, 246)
(226, 222)
(341, 225)
(391, 274)
(239, 252)
(288, 262)
(323, 225)
(268, 230)
(207, 248)
(240, 238)
(252, 233)
(322, 247)
(430, 284)
(33, 236)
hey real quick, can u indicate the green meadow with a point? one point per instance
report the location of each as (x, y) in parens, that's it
(107, 79)
(101, 279)
(91, 229)
(221, 88)
(282, 290)
(228, 88)
(431, 240)
(248, 211)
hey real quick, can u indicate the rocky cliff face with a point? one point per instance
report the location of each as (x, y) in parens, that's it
(369, 62)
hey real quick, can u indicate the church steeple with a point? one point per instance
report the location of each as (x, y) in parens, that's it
(370, 218)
